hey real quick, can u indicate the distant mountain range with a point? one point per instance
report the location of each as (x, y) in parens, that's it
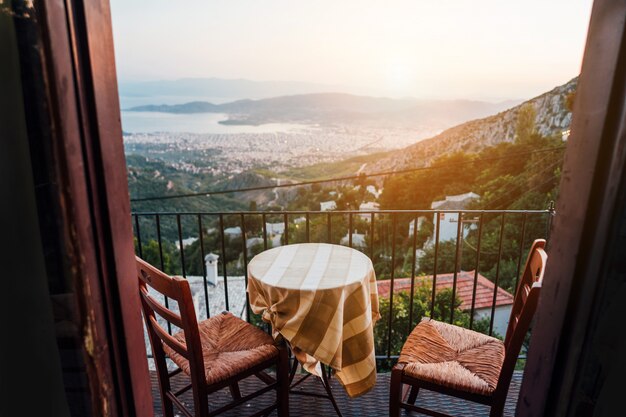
(338, 108)
(552, 117)
(227, 90)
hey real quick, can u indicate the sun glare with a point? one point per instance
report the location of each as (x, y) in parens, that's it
(400, 76)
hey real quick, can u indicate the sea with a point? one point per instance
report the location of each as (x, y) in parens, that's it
(150, 122)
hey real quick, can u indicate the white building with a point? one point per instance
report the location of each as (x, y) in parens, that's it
(275, 228)
(358, 240)
(299, 220)
(368, 206)
(420, 222)
(373, 191)
(232, 231)
(448, 222)
(252, 242)
(186, 242)
(328, 205)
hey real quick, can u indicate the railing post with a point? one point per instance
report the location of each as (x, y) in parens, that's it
(552, 213)
(476, 267)
(410, 326)
(264, 220)
(495, 284)
(224, 262)
(350, 229)
(245, 264)
(393, 264)
(139, 249)
(286, 222)
(459, 237)
(180, 246)
(437, 227)
(519, 255)
(160, 242)
(308, 234)
(204, 271)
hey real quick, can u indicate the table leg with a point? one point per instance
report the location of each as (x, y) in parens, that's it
(324, 379)
(326, 382)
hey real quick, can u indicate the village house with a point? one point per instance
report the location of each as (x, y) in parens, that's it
(464, 291)
(328, 205)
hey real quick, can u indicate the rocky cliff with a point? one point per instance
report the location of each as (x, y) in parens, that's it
(552, 117)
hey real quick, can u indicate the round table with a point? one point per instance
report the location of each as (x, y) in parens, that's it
(323, 300)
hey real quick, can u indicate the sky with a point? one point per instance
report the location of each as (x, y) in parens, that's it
(443, 49)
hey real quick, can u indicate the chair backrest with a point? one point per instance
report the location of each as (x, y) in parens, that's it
(524, 307)
(177, 289)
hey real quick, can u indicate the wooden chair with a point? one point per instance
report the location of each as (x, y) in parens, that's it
(466, 364)
(215, 353)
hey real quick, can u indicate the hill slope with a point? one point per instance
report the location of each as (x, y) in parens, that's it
(552, 117)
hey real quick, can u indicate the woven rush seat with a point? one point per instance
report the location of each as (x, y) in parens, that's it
(466, 364)
(454, 357)
(229, 346)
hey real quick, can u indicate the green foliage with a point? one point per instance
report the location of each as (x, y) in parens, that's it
(155, 177)
(400, 326)
(422, 300)
(455, 174)
(446, 258)
(519, 183)
(151, 253)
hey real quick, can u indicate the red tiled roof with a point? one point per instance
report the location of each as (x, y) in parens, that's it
(464, 288)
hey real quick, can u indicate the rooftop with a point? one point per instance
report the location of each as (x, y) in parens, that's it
(454, 202)
(464, 288)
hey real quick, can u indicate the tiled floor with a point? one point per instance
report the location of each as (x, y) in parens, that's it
(374, 403)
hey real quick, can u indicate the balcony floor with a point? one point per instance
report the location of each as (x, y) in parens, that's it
(374, 403)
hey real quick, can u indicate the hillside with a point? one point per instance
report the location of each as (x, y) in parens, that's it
(153, 177)
(333, 108)
(552, 118)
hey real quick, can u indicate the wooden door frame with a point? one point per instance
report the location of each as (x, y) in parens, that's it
(585, 212)
(79, 60)
(79, 71)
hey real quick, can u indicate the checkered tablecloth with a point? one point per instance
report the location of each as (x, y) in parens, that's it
(323, 300)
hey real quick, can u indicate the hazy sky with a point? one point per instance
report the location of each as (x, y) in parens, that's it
(481, 49)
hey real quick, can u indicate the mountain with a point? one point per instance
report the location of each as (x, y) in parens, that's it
(218, 87)
(187, 108)
(332, 108)
(552, 117)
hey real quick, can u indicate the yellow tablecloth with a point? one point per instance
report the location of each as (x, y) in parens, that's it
(323, 300)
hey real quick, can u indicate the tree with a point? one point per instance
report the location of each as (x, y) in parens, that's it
(151, 253)
(446, 257)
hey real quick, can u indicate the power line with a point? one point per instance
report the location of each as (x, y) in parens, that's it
(552, 178)
(338, 179)
(516, 189)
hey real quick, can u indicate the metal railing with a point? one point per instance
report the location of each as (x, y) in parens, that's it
(410, 243)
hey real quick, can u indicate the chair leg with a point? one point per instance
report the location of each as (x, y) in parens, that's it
(413, 395)
(497, 408)
(164, 384)
(282, 378)
(167, 405)
(234, 391)
(395, 390)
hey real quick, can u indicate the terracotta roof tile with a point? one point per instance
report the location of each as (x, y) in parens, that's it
(464, 288)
